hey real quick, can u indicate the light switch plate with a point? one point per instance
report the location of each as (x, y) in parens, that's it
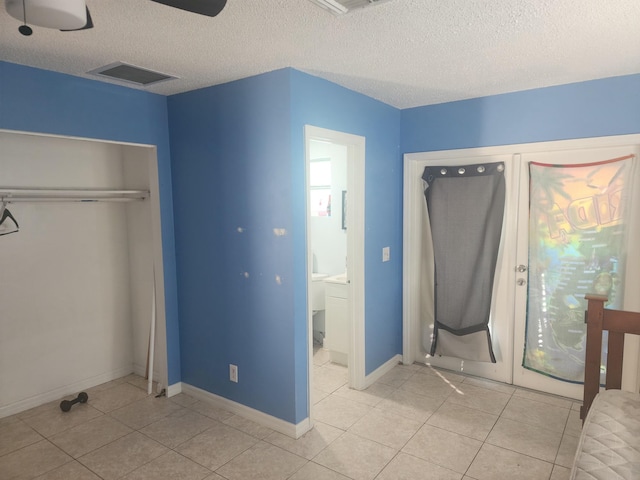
(386, 254)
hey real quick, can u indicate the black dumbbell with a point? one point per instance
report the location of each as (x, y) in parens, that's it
(66, 405)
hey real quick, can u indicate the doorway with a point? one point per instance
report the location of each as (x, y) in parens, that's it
(511, 295)
(335, 253)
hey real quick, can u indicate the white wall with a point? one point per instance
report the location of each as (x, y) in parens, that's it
(66, 310)
(328, 239)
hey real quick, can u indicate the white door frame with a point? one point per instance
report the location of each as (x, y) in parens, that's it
(355, 251)
(414, 209)
(412, 236)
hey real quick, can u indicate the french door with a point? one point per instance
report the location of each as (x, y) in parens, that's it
(511, 294)
(554, 314)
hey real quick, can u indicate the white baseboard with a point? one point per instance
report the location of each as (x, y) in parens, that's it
(58, 393)
(174, 389)
(301, 428)
(264, 419)
(386, 367)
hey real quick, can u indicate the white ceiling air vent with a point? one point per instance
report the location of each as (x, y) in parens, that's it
(131, 74)
(339, 7)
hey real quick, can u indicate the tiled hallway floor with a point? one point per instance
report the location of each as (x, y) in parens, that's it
(414, 423)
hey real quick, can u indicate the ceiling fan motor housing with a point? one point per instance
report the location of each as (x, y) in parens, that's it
(59, 14)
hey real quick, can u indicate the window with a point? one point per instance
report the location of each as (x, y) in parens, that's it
(320, 187)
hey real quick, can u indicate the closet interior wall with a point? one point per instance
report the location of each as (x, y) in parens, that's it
(76, 280)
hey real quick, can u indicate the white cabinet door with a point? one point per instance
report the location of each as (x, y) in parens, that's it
(337, 323)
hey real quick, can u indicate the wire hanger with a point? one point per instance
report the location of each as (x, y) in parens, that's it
(5, 215)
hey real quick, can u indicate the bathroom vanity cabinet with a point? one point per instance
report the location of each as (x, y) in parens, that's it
(337, 318)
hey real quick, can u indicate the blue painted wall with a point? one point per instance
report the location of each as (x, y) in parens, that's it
(320, 103)
(238, 173)
(237, 170)
(596, 108)
(39, 101)
(230, 146)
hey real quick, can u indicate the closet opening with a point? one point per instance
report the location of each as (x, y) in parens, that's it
(82, 289)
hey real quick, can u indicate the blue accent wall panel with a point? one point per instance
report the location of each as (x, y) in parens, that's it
(40, 101)
(324, 104)
(230, 146)
(595, 108)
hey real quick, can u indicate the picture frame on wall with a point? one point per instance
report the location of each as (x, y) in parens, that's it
(344, 209)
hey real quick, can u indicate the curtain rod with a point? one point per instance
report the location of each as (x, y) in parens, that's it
(14, 195)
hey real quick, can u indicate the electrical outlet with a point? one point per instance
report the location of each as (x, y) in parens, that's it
(233, 373)
(386, 254)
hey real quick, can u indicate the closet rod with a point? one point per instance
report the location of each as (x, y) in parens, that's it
(68, 199)
(14, 195)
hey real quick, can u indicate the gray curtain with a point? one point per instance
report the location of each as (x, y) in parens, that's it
(465, 205)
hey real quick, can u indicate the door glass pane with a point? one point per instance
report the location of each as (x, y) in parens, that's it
(578, 217)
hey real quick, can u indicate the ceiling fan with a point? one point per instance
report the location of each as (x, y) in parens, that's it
(73, 15)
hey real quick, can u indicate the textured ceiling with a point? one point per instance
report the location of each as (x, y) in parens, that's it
(404, 52)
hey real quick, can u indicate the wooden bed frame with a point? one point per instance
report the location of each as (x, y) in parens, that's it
(617, 323)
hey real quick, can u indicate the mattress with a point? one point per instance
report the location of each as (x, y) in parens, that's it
(609, 447)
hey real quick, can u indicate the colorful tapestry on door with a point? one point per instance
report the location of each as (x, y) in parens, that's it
(578, 217)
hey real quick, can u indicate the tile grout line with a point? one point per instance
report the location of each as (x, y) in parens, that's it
(395, 387)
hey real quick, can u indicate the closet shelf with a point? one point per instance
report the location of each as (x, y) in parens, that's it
(14, 195)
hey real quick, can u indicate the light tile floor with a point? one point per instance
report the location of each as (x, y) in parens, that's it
(414, 423)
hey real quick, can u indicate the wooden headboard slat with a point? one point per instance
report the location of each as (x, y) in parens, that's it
(615, 351)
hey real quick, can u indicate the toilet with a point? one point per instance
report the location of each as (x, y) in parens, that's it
(317, 306)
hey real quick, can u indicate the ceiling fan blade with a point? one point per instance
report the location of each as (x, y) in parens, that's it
(210, 8)
(87, 25)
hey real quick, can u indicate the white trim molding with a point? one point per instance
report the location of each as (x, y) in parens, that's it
(174, 389)
(383, 369)
(291, 430)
